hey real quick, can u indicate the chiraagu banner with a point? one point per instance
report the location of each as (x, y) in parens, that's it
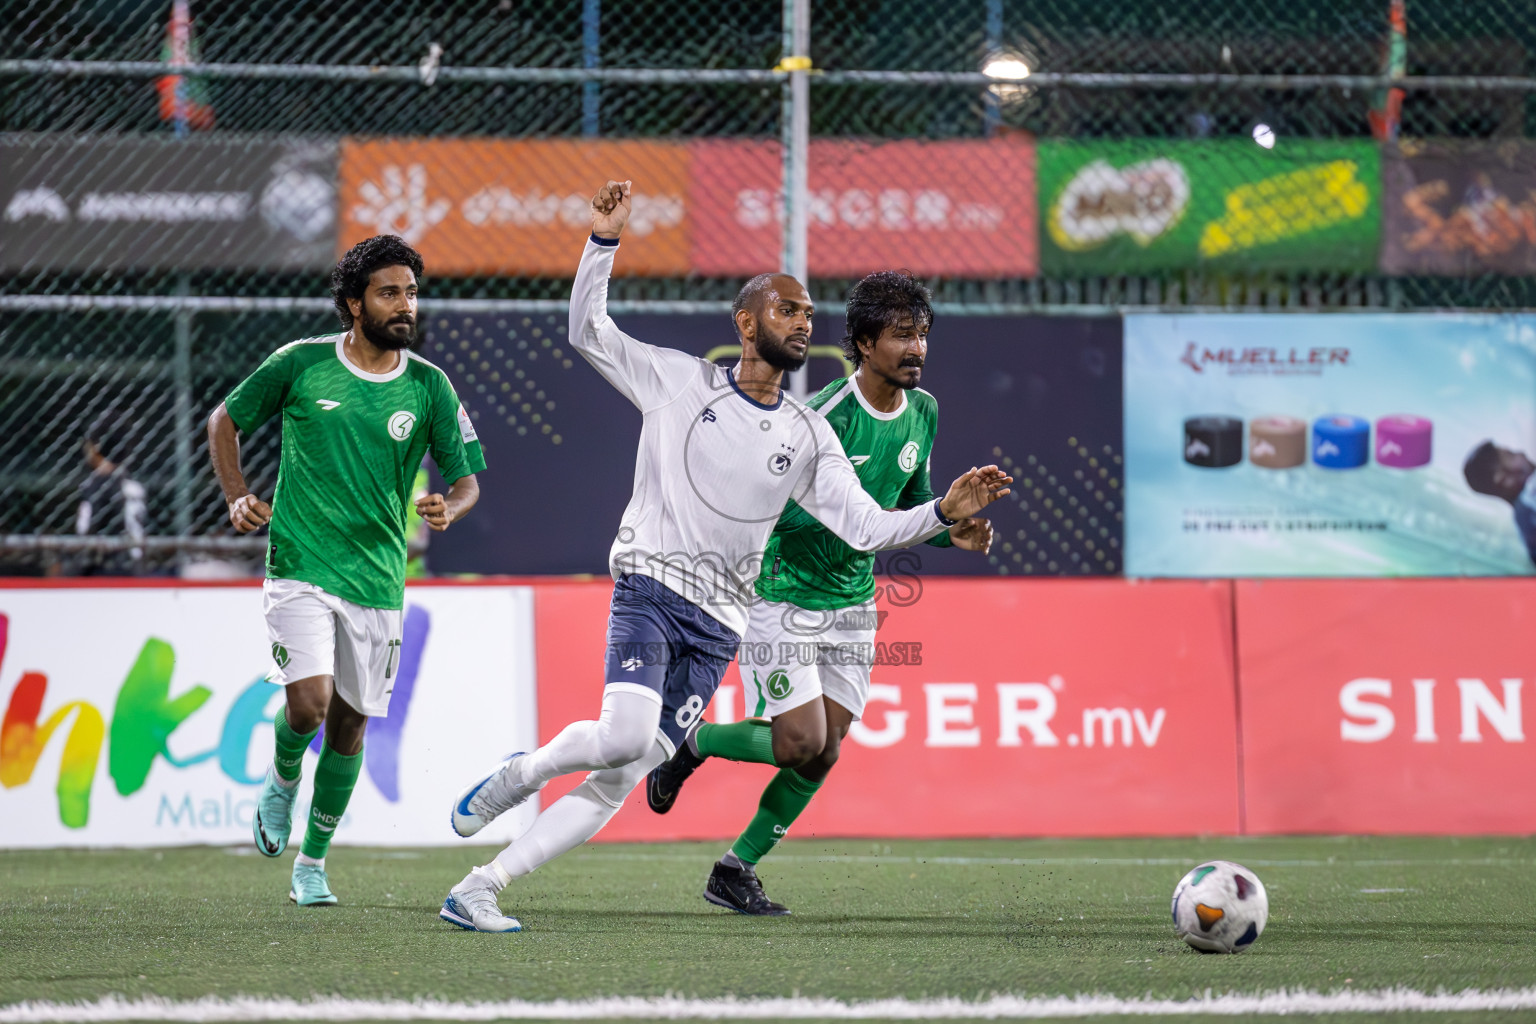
(1142, 205)
(989, 714)
(140, 716)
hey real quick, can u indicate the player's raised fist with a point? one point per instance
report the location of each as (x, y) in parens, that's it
(610, 209)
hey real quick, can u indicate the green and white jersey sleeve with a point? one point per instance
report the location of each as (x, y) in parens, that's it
(352, 443)
(805, 563)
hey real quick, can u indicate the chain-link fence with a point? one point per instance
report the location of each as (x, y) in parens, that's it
(179, 177)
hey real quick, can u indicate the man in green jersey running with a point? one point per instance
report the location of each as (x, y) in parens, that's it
(359, 412)
(816, 618)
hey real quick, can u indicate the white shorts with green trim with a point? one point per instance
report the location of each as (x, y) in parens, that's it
(792, 655)
(314, 633)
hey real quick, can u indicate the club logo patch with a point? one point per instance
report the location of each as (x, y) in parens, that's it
(907, 460)
(280, 655)
(779, 463)
(778, 685)
(401, 424)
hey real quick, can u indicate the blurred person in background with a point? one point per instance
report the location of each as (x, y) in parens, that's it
(111, 504)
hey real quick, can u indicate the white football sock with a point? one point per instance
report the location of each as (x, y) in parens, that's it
(310, 862)
(623, 732)
(577, 816)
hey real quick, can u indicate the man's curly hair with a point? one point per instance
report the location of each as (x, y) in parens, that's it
(350, 278)
(887, 298)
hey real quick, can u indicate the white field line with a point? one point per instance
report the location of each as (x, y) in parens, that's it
(1400, 1000)
(1336, 862)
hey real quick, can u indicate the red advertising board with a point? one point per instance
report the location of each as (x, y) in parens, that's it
(1386, 706)
(961, 208)
(1057, 707)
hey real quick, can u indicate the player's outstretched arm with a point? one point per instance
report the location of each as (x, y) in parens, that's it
(441, 510)
(646, 375)
(247, 512)
(834, 495)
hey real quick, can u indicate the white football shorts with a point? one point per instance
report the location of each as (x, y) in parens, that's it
(314, 633)
(792, 655)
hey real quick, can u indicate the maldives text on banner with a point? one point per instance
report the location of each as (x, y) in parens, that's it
(987, 711)
(1387, 706)
(140, 716)
(1330, 445)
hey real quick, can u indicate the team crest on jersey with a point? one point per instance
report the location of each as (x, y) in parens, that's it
(907, 460)
(778, 685)
(779, 463)
(401, 424)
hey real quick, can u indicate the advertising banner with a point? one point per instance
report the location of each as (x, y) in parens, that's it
(518, 206)
(1143, 205)
(513, 206)
(139, 716)
(157, 203)
(1330, 445)
(989, 715)
(1038, 395)
(1387, 706)
(957, 208)
(1459, 207)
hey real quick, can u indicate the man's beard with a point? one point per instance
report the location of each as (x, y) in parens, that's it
(381, 334)
(906, 383)
(775, 352)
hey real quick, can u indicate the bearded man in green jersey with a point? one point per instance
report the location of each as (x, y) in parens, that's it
(359, 411)
(817, 594)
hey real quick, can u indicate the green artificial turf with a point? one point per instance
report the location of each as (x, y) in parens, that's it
(914, 919)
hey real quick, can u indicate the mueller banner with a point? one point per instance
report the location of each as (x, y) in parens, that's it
(1387, 706)
(1459, 207)
(157, 729)
(1330, 445)
(988, 715)
(963, 208)
(514, 206)
(1040, 396)
(95, 203)
(1146, 205)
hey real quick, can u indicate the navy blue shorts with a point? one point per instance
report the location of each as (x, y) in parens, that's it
(660, 640)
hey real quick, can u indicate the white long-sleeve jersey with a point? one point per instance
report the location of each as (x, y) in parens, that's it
(716, 467)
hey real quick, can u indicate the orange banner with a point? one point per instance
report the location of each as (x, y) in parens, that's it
(1000, 708)
(512, 206)
(1387, 706)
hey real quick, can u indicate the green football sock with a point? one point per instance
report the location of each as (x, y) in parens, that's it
(749, 740)
(289, 758)
(786, 796)
(335, 776)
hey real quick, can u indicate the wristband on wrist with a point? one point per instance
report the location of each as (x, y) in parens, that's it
(938, 511)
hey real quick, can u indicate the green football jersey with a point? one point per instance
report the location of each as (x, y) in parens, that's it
(807, 564)
(352, 443)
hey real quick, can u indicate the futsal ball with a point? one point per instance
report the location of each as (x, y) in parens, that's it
(1220, 907)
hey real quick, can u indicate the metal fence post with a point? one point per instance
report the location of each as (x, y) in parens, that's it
(795, 127)
(181, 370)
(591, 92)
(990, 107)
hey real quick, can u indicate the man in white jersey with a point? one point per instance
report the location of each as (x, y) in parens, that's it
(721, 452)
